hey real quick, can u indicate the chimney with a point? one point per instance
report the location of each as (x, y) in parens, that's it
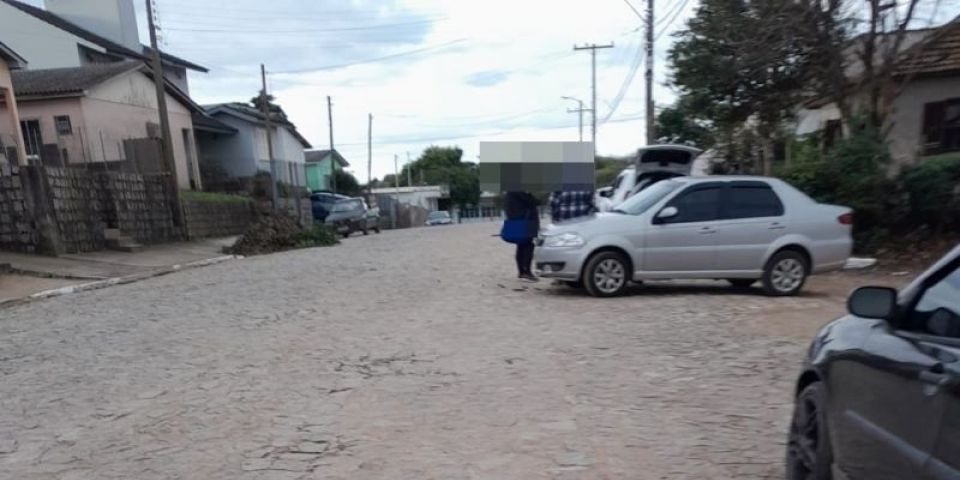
(112, 19)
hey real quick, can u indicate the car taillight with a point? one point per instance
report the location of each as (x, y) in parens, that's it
(845, 219)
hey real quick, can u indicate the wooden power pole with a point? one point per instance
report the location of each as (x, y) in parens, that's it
(333, 153)
(170, 165)
(648, 75)
(593, 87)
(268, 125)
(370, 156)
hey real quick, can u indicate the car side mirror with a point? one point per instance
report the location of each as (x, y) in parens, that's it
(873, 302)
(666, 213)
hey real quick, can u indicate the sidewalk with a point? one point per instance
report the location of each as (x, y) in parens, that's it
(32, 274)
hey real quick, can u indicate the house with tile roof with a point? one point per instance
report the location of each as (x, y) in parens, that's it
(103, 115)
(320, 168)
(74, 33)
(925, 118)
(242, 152)
(11, 140)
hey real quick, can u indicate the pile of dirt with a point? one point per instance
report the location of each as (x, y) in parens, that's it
(270, 232)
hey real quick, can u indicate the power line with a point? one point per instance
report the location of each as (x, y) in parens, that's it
(248, 31)
(676, 14)
(634, 67)
(370, 60)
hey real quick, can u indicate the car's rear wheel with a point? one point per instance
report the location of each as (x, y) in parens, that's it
(809, 455)
(376, 229)
(366, 232)
(741, 282)
(606, 274)
(785, 273)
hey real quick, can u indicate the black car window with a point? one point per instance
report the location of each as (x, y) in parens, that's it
(938, 311)
(696, 204)
(752, 202)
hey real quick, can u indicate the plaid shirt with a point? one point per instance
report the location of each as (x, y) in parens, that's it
(567, 205)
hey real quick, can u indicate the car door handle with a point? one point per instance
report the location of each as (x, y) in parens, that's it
(777, 226)
(707, 231)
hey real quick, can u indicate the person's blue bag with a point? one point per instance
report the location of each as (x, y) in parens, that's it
(514, 231)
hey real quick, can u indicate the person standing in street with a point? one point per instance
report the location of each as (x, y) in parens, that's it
(520, 227)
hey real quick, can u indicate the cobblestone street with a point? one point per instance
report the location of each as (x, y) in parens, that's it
(412, 354)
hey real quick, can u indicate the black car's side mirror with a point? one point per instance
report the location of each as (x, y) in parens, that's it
(873, 302)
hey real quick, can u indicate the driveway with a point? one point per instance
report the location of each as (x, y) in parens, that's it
(408, 355)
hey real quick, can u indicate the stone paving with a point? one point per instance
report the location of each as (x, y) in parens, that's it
(407, 355)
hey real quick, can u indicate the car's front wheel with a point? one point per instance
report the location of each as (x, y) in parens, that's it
(606, 274)
(785, 273)
(809, 455)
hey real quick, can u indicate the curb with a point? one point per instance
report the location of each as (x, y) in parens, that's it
(97, 285)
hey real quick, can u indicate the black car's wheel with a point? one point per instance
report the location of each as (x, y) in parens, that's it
(376, 229)
(366, 232)
(346, 234)
(809, 456)
(785, 273)
(606, 274)
(741, 282)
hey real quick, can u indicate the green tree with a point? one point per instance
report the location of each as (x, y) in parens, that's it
(684, 125)
(347, 184)
(444, 166)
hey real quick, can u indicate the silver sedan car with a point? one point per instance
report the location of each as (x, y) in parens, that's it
(742, 229)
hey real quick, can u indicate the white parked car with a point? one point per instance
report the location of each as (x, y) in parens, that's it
(438, 217)
(738, 228)
(652, 164)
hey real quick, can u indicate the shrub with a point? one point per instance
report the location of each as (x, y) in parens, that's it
(317, 236)
(853, 173)
(212, 197)
(933, 192)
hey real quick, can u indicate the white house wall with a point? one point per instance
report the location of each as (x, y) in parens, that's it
(906, 137)
(41, 44)
(122, 107)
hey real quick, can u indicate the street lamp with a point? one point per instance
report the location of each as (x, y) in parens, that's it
(579, 111)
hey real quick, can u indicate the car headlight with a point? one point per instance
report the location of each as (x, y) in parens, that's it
(563, 240)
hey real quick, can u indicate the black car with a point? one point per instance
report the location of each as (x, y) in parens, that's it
(322, 202)
(879, 395)
(352, 215)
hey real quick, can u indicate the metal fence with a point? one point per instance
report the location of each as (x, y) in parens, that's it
(95, 149)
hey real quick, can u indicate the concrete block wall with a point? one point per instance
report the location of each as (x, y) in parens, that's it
(18, 231)
(210, 219)
(140, 206)
(289, 205)
(78, 209)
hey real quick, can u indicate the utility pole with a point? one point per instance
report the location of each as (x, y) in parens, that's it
(593, 47)
(579, 111)
(333, 153)
(396, 186)
(370, 155)
(650, 115)
(166, 140)
(265, 110)
(409, 172)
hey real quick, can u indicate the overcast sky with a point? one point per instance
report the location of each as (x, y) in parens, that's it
(432, 72)
(457, 72)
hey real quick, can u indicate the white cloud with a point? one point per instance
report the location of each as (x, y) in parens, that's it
(503, 81)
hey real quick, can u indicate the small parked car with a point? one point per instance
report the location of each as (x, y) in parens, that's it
(321, 203)
(439, 217)
(352, 215)
(878, 396)
(739, 228)
(652, 164)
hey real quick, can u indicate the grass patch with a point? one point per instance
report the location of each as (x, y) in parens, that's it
(212, 197)
(317, 236)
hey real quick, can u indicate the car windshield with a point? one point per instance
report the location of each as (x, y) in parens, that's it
(647, 198)
(439, 214)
